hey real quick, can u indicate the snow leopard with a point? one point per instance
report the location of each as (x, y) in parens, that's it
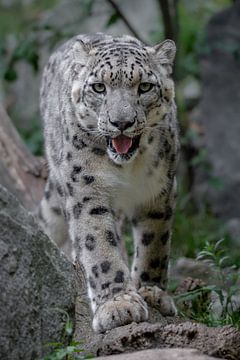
(112, 146)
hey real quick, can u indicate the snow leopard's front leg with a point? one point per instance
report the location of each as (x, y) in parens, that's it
(152, 235)
(113, 296)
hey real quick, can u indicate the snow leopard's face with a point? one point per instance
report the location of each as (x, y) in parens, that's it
(125, 93)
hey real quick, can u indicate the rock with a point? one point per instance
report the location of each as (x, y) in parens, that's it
(233, 228)
(185, 267)
(191, 91)
(36, 281)
(219, 305)
(223, 342)
(218, 179)
(161, 354)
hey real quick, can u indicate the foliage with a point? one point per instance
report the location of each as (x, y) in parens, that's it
(193, 16)
(193, 226)
(70, 351)
(228, 277)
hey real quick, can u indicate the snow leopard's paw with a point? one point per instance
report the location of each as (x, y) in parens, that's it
(122, 309)
(159, 299)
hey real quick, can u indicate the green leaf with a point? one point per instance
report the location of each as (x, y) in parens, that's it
(219, 244)
(220, 294)
(216, 182)
(112, 20)
(10, 74)
(200, 158)
(87, 6)
(33, 59)
(191, 295)
(76, 343)
(69, 327)
(205, 254)
(223, 260)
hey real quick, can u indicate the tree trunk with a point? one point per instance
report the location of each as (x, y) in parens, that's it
(21, 172)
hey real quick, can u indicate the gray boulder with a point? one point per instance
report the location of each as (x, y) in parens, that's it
(36, 281)
(161, 354)
(218, 179)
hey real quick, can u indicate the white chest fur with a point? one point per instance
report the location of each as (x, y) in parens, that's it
(136, 184)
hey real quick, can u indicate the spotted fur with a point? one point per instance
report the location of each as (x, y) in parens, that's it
(96, 87)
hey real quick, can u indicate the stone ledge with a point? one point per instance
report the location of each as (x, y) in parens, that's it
(161, 354)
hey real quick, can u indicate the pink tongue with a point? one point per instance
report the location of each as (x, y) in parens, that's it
(122, 144)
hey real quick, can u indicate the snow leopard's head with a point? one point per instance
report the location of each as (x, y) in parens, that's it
(123, 91)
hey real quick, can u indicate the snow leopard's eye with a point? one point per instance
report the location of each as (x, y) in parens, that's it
(144, 87)
(99, 87)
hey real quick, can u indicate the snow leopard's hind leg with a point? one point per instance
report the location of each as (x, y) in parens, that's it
(51, 217)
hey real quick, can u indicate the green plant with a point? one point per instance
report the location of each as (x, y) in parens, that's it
(227, 278)
(67, 349)
(223, 294)
(194, 303)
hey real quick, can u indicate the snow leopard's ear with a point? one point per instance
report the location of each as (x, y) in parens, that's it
(89, 41)
(81, 50)
(165, 53)
(83, 47)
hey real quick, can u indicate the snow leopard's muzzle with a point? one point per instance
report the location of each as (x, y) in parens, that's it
(123, 129)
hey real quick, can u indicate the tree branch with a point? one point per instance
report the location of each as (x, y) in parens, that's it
(169, 15)
(169, 10)
(125, 20)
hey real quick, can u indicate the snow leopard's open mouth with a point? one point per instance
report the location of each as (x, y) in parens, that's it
(123, 146)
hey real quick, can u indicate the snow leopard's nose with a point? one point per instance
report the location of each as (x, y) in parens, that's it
(122, 125)
(121, 112)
